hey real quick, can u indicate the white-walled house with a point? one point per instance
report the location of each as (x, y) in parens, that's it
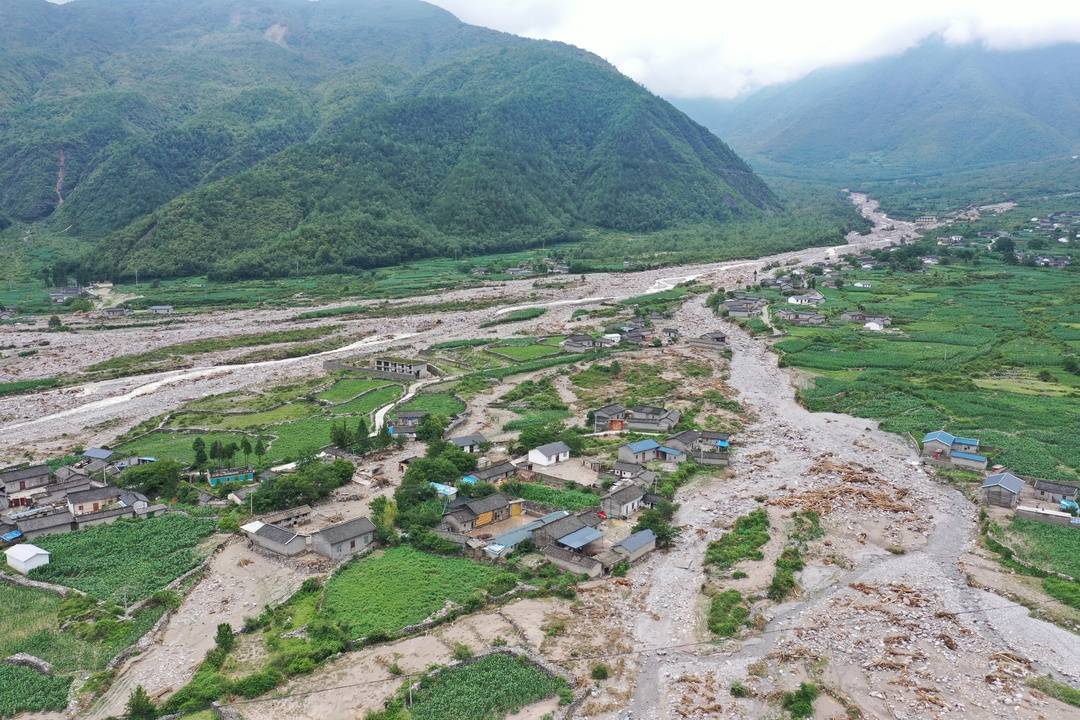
(549, 454)
(24, 557)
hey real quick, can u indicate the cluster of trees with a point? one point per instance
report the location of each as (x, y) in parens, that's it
(219, 453)
(312, 481)
(535, 435)
(359, 439)
(156, 479)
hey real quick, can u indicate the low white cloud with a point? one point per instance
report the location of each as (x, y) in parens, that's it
(718, 48)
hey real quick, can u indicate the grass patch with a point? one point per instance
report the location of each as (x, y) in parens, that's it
(127, 560)
(524, 353)
(176, 446)
(783, 581)
(385, 592)
(348, 388)
(25, 386)
(727, 613)
(801, 702)
(515, 316)
(742, 542)
(1057, 690)
(445, 404)
(1051, 547)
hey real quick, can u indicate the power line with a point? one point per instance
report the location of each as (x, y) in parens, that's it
(601, 656)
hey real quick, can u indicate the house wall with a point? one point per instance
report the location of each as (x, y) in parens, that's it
(999, 496)
(293, 547)
(342, 549)
(25, 567)
(966, 447)
(935, 447)
(639, 553)
(1052, 496)
(964, 462)
(55, 530)
(590, 568)
(627, 455)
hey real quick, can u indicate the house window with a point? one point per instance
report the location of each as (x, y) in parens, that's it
(352, 544)
(96, 506)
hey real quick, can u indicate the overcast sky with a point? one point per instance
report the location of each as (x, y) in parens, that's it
(720, 48)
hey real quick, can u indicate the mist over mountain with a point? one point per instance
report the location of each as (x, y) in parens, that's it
(935, 108)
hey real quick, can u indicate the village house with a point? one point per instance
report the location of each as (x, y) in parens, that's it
(507, 542)
(705, 447)
(226, 476)
(1002, 489)
(811, 298)
(491, 474)
(573, 562)
(672, 334)
(104, 516)
(942, 447)
(275, 539)
(344, 539)
(289, 517)
(580, 342)
(21, 484)
(160, 309)
(634, 472)
(622, 503)
(549, 454)
(629, 550)
(406, 422)
(48, 523)
(92, 500)
(471, 444)
(24, 557)
(115, 312)
(62, 295)
(1054, 491)
(862, 284)
(744, 307)
(401, 367)
(858, 316)
(473, 514)
(800, 317)
(240, 496)
(575, 532)
(715, 340)
(649, 418)
(644, 451)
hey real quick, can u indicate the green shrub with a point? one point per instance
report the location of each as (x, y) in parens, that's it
(599, 672)
(727, 613)
(801, 702)
(739, 690)
(256, 684)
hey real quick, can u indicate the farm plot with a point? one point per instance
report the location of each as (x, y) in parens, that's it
(369, 402)
(165, 445)
(980, 351)
(32, 625)
(524, 353)
(402, 586)
(1049, 547)
(126, 561)
(348, 388)
(572, 500)
(492, 687)
(444, 404)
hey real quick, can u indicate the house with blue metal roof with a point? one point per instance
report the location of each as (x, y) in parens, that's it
(641, 451)
(944, 447)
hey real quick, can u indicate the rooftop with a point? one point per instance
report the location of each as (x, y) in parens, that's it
(643, 445)
(640, 539)
(1006, 480)
(553, 449)
(346, 530)
(24, 552)
(581, 537)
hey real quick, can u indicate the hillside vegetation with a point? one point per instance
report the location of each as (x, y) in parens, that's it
(258, 139)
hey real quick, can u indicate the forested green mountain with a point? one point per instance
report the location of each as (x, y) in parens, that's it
(256, 137)
(934, 108)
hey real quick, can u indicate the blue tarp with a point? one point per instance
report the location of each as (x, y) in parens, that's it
(470, 479)
(13, 535)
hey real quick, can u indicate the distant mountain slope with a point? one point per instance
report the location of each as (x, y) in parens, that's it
(936, 107)
(253, 137)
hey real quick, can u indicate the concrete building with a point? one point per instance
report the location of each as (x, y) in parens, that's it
(274, 539)
(344, 539)
(550, 454)
(622, 503)
(1002, 489)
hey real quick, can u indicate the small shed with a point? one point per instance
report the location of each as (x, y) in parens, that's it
(24, 557)
(1002, 489)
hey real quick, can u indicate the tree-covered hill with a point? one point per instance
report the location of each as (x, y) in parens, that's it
(936, 108)
(258, 137)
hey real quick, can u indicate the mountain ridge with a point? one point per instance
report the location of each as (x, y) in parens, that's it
(348, 134)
